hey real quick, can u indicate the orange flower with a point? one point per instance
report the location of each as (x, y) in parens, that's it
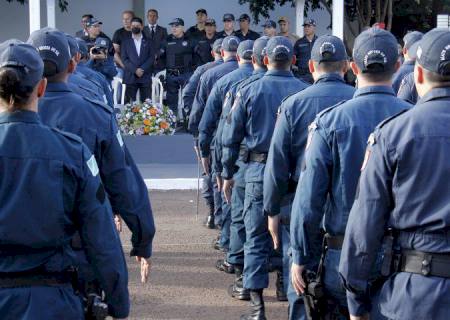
(147, 122)
(153, 111)
(135, 109)
(146, 129)
(164, 125)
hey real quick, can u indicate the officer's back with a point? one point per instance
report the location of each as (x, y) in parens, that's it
(405, 186)
(49, 188)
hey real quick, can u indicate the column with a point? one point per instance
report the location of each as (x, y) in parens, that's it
(51, 14)
(299, 17)
(338, 17)
(35, 15)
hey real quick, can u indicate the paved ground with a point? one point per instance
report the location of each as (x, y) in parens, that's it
(184, 283)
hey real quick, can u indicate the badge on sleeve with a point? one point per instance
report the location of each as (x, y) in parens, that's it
(235, 105)
(312, 127)
(371, 141)
(119, 138)
(92, 165)
(227, 98)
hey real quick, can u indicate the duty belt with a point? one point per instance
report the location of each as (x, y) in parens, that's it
(334, 242)
(243, 153)
(177, 71)
(33, 279)
(258, 157)
(424, 263)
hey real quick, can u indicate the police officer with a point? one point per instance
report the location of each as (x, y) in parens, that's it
(409, 52)
(244, 32)
(253, 117)
(61, 174)
(328, 64)
(235, 257)
(179, 52)
(270, 28)
(100, 60)
(198, 30)
(95, 123)
(228, 26)
(330, 170)
(407, 90)
(404, 186)
(208, 79)
(303, 49)
(188, 97)
(205, 42)
(210, 118)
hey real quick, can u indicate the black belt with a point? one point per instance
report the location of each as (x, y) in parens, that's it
(29, 279)
(424, 263)
(243, 153)
(334, 242)
(258, 157)
(177, 71)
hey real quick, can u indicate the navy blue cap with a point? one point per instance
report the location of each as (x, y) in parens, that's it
(411, 38)
(177, 22)
(328, 48)
(309, 22)
(73, 45)
(230, 43)
(280, 49)
(92, 22)
(433, 52)
(201, 11)
(24, 58)
(259, 47)
(245, 49)
(13, 41)
(244, 16)
(269, 24)
(210, 22)
(52, 46)
(412, 51)
(375, 51)
(228, 17)
(102, 43)
(217, 45)
(82, 47)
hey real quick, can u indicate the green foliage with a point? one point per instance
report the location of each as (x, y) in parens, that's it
(63, 4)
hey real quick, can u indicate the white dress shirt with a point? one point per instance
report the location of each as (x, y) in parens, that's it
(137, 38)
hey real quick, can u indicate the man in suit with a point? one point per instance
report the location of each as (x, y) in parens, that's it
(138, 57)
(157, 36)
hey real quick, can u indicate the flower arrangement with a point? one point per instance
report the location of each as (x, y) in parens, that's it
(146, 118)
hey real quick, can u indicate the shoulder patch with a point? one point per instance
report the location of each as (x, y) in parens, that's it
(325, 111)
(68, 135)
(92, 165)
(387, 120)
(99, 104)
(311, 129)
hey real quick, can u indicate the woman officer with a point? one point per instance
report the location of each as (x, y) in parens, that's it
(49, 188)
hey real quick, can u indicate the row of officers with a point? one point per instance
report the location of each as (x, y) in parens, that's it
(348, 187)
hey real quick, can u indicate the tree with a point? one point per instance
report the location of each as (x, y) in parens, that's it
(63, 4)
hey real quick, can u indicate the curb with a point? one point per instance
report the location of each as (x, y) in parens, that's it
(171, 184)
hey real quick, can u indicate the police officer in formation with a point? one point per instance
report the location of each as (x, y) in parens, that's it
(61, 174)
(405, 187)
(179, 55)
(253, 117)
(331, 166)
(407, 90)
(234, 261)
(210, 118)
(95, 123)
(303, 48)
(328, 65)
(207, 81)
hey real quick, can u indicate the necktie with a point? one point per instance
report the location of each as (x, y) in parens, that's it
(153, 32)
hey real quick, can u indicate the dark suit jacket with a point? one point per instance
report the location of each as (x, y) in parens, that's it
(157, 42)
(132, 61)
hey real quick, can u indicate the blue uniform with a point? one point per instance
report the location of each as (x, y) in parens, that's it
(286, 155)
(253, 117)
(60, 173)
(398, 77)
(405, 185)
(105, 67)
(407, 90)
(95, 123)
(83, 87)
(98, 80)
(329, 176)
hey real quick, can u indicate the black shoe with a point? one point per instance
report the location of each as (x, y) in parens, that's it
(237, 290)
(210, 222)
(281, 295)
(257, 306)
(223, 265)
(216, 246)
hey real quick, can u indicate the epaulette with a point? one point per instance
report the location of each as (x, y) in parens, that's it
(99, 104)
(68, 135)
(325, 111)
(247, 82)
(287, 97)
(385, 121)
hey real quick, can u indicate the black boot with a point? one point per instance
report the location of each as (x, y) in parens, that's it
(281, 295)
(257, 306)
(237, 290)
(225, 266)
(210, 219)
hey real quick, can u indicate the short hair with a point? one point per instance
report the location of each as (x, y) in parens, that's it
(153, 10)
(131, 12)
(436, 78)
(378, 76)
(330, 66)
(281, 65)
(137, 19)
(51, 72)
(87, 15)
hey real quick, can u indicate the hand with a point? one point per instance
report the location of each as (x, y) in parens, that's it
(205, 164)
(274, 222)
(139, 72)
(227, 188)
(297, 279)
(219, 182)
(364, 317)
(97, 56)
(197, 153)
(118, 223)
(146, 265)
